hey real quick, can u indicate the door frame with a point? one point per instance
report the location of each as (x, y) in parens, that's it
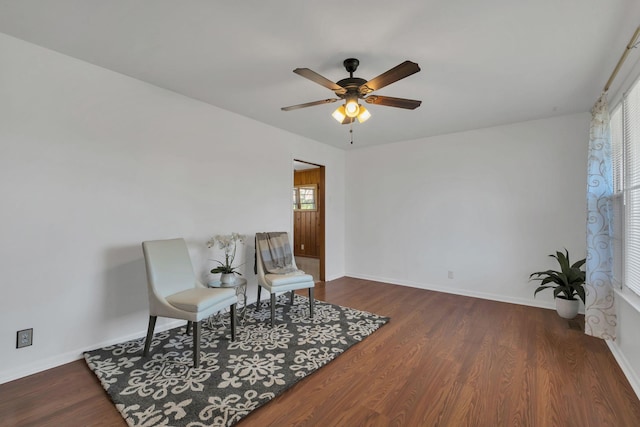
(321, 213)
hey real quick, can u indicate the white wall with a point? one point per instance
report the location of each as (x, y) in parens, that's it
(488, 205)
(92, 163)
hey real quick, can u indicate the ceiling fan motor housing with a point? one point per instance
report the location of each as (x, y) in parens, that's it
(351, 84)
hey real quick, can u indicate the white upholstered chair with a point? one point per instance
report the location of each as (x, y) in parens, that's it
(282, 282)
(175, 292)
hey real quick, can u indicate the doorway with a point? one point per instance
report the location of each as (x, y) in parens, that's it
(309, 218)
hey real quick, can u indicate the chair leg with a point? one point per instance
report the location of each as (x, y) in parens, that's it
(196, 344)
(189, 327)
(147, 343)
(258, 301)
(233, 322)
(311, 302)
(292, 293)
(273, 308)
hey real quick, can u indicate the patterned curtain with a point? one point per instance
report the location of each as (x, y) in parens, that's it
(600, 316)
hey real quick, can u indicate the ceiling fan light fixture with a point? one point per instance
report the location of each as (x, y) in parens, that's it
(340, 114)
(352, 108)
(364, 115)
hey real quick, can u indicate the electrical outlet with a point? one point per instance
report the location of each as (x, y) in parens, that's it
(24, 338)
(450, 274)
(302, 247)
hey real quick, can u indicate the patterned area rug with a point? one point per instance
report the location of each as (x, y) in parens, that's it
(234, 378)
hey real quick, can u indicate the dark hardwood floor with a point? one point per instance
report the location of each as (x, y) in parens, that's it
(442, 360)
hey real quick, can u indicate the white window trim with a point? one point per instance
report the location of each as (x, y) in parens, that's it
(629, 296)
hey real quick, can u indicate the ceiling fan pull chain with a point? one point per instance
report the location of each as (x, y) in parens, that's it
(351, 132)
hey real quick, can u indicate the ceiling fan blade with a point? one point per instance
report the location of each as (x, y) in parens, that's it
(398, 72)
(317, 78)
(310, 104)
(409, 104)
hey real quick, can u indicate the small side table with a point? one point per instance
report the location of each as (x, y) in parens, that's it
(240, 286)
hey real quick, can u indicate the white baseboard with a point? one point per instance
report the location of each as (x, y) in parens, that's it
(625, 366)
(463, 292)
(334, 277)
(74, 355)
(71, 356)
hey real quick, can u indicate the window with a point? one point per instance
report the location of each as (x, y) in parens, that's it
(304, 197)
(625, 158)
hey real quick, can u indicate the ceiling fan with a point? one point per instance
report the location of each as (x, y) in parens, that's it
(352, 89)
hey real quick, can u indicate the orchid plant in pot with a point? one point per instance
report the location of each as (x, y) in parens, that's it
(228, 244)
(567, 284)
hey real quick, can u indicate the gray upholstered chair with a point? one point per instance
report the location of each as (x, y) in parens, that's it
(175, 292)
(280, 282)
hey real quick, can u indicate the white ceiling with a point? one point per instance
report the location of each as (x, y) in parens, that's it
(484, 63)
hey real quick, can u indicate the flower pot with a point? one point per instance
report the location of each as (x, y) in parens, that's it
(228, 278)
(567, 308)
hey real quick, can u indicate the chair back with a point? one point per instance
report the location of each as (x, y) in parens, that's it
(169, 268)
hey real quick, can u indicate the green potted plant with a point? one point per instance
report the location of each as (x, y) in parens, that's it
(227, 270)
(567, 284)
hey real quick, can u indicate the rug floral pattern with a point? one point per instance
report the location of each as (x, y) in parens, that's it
(233, 378)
